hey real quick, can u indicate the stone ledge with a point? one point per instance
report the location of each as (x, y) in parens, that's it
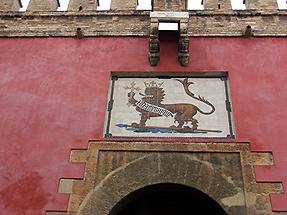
(163, 15)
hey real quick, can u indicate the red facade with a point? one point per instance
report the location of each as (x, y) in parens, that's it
(53, 95)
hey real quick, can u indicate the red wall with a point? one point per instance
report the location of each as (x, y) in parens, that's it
(53, 96)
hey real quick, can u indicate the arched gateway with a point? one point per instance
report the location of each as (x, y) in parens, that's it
(139, 178)
(167, 199)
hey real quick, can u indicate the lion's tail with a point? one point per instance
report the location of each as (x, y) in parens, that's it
(186, 85)
(202, 99)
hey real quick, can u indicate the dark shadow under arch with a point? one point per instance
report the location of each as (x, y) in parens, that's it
(167, 199)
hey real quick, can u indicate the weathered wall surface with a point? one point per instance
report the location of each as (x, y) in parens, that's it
(53, 99)
(53, 91)
(79, 5)
(9, 5)
(40, 5)
(123, 4)
(219, 5)
(136, 23)
(169, 5)
(263, 5)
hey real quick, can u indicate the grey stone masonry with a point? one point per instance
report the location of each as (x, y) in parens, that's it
(43, 5)
(10, 5)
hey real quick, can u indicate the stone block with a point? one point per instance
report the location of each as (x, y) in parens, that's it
(78, 5)
(221, 5)
(169, 16)
(123, 4)
(66, 186)
(169, 5)
(10, 5)
(261, 4)
(43, 5)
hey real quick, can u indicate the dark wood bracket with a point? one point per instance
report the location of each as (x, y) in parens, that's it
(154, 45)
(154, 42)
(183, 43)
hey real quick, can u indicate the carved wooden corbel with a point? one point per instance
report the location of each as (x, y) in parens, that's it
(183, 44)
(154, 45)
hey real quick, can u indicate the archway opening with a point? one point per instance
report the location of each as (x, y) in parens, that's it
(167, 199)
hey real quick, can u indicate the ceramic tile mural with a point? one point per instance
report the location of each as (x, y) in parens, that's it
(175, 107)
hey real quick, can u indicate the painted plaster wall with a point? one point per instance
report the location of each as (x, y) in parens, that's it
(53, 94)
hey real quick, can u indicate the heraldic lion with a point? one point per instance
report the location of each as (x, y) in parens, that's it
(151, 106)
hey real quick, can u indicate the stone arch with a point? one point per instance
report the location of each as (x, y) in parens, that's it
(155, 168)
